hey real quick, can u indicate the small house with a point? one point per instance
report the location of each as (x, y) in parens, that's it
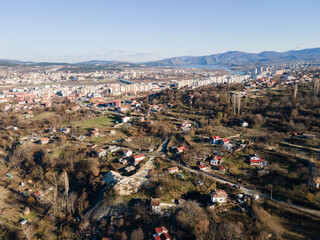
(219, 196)
(113, 148)
(221, 169)
(215, 139)
(224, 141)
(138, 158)
(125, 119)
(173, 169)
(124, 108)
(101, 152)
(256, 160)
(161, 234)
(180, 149)
(202, 167)
(127, 152)
(44, 141)
(155, 205)
(216, 161)
(112, 131)
(65, 130)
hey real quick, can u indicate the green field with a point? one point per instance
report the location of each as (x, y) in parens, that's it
(98, 122)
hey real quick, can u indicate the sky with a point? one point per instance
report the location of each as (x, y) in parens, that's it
(146, 30)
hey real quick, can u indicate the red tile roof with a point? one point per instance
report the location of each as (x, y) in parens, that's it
(216, 137)
(138, 156)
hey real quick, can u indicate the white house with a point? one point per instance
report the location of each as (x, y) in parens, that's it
(101, 152)
(173, 169)
(113, 148)
(216, 161)
(219, 196)
(127, 152)
(155, 205)
(125, 119)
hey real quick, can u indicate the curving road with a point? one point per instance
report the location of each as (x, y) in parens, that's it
(245, 190)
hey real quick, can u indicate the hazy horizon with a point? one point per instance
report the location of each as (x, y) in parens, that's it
(141, 62)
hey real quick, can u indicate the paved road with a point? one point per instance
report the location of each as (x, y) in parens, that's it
(245, 190)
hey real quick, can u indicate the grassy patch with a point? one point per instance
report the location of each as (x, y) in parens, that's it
(98, 122)
(41, 116)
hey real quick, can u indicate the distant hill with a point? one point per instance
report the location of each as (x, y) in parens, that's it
(14, 62)
(94, 62)
(222, 59)
(238, 57)
(103, 63)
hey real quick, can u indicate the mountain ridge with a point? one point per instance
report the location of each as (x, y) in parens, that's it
(240, 57)
(223, 59)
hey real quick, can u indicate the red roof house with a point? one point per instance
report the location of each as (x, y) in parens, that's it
(215, 139)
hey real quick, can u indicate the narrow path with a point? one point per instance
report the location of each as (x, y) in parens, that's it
(301, 147)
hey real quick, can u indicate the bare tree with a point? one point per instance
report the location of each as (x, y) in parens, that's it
(238, 102)
(20, 154)
(124, 236)
(193, 218)
(268, 220)
(3, 192)
(72, 200)
(137, 234)
(55, 195)
(230, 230)
(66, 192)
(295, 91)
(234, 106)
(316, 86)
(28, 231)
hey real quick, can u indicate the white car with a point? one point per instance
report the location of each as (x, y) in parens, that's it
(23, 222)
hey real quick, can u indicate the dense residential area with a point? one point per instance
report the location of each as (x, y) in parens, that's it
(211, 157)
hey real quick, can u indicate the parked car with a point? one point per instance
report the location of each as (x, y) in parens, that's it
(23, 222)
